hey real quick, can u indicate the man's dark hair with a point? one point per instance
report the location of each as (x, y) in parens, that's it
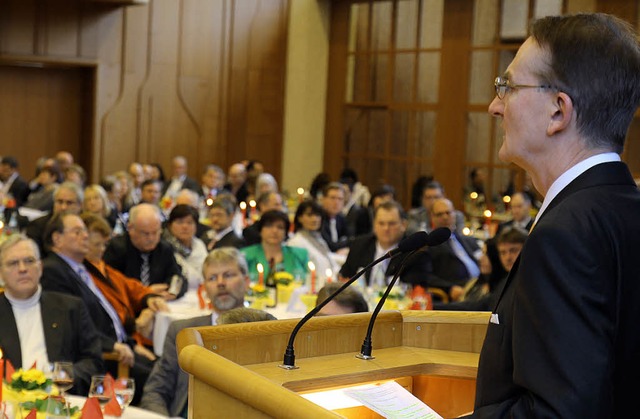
(10, 161)
(390, 205)
(595, 59)
(54, 225)
(513, 235)
(150, 182)
(349, 298)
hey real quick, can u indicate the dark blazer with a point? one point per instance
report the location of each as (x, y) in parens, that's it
(58, 276)
(122, 255)
(251, 235)
(167, 387)
(230, 239)
(566, 341)
(362, 252)
(20, 190)
(69, 335)
(35, 231)
(448, 270)
(341, 227)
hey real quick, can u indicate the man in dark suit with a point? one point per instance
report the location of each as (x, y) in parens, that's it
(226, 281)
(13, 183)
(221, 234)
(521, 212)
(455, 262)
(179, 180)
(237, 182)
(334, 225)
(42, 326)
(389, 226)
(212, 182)
(142, 254)
(563, 337)
(68, 197)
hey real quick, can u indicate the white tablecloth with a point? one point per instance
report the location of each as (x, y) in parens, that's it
(130, 412)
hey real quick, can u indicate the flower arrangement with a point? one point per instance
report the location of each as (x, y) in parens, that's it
(258, 291)
(283, 278)
(166, 203)
(29, 380)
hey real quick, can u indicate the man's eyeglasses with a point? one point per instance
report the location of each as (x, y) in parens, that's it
(14, 264)
(503, 86)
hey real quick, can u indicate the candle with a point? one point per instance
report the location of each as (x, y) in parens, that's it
(312, 268)
(260, 269)
(243, 210)
(329, 274)
(252, 213)
(300, 194)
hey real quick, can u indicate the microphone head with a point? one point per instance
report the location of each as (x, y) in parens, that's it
(413, 242)
(438, 236)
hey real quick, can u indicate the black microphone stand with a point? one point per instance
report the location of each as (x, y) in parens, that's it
(365, 352)
(289, 362)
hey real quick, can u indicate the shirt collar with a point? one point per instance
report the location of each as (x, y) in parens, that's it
(570, 175)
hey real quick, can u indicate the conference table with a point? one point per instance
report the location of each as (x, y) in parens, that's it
(188, 307)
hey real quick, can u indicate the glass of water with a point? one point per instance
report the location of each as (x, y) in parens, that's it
(124, 389)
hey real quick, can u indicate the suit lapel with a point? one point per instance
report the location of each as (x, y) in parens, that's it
(9, 339)
(52, 324)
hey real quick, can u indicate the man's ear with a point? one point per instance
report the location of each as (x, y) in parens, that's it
(561, 118)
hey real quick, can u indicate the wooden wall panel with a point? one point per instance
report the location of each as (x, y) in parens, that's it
(163, 79)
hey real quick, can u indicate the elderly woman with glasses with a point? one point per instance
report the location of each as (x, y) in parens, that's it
(189, 251)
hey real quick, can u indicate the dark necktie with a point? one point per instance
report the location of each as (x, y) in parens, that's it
(144, 269)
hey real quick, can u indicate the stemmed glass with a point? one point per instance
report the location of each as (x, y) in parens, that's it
(124, 389)
(101, 389)
(57, 408)
(62, 376)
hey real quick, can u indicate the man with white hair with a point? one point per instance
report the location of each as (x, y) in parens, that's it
(142, 254)
(179, 180)
(42, 326)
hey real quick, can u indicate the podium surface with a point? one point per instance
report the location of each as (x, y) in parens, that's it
(234, 368)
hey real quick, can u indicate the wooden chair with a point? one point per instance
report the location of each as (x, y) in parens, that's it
(439, 293)
(123, 369)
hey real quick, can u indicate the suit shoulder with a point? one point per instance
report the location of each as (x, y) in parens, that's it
(178, 325)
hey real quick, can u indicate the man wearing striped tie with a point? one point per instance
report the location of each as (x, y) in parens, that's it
(142, 254)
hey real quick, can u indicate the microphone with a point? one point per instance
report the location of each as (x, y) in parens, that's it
(436, 238)
(409, 244)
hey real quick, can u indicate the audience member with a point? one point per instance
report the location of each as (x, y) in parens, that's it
(419, 218)
(33, 320)
(455, 262)
(244, 315)
(179, 179)
(226, 282)
(136, 177)
(12, 183)
(334, 226)
(307, 222)
(222, 233)
(96, 202)
(142, 254)
(42, 199)
(521, 212)
(67, 197)
(236, 182)
(191, 198)
(76, 174)
(150, 192)
(273, 227)
(188, 249)
(389, 226)
(350, 300)
(213, 180)
(364, 219)
(269, 201)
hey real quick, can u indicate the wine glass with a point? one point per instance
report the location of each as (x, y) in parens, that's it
(124, 389)
(57, 408)
(62, 376)
(101, 389)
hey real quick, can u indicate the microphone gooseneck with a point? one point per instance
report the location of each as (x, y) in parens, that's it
(411, 243)
(436, 238)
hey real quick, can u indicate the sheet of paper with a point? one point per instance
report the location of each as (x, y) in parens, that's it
(392, 401)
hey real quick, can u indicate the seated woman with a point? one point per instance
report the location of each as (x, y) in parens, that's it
(307, 223)
(96, 202)
(273, 227)
(190, 251)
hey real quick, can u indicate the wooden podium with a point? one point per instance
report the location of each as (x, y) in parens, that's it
(234, 368)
